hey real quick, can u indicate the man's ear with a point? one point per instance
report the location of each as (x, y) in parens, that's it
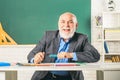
(76, 25)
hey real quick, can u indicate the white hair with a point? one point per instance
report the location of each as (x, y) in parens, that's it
(74, 17)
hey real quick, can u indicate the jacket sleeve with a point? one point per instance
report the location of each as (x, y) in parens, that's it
(38, 48)
(88, 53)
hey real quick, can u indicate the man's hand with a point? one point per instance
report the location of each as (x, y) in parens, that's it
(38, 58)
(65, 55)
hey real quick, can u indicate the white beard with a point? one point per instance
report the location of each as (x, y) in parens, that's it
(68, 36)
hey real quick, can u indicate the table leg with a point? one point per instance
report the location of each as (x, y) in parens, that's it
(10, 75)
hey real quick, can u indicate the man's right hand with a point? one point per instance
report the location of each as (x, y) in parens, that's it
(38, 58)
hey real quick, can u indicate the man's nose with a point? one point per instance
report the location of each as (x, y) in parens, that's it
(67, 24)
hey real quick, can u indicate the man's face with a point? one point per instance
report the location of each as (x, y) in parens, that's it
(67, 26)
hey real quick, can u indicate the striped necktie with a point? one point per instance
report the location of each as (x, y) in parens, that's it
(64, 47)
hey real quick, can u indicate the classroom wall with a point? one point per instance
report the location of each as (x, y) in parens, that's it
(27, 20)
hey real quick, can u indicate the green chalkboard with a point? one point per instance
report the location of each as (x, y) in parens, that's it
(27, 20)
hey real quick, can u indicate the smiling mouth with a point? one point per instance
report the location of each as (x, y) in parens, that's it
(66, 30)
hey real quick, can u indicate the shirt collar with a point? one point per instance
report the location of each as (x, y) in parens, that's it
(61, 39)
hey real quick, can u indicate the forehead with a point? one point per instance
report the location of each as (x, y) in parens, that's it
(66, 17)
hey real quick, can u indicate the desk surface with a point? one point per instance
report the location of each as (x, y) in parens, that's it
(87, 66)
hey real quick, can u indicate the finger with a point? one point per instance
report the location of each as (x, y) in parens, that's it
(61, 55)
(36, 61)
(42, 55)
(37, 58)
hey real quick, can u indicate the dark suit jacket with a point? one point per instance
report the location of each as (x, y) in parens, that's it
(50, 44)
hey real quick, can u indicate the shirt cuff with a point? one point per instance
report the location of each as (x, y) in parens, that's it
(74, 57)
(32, 60)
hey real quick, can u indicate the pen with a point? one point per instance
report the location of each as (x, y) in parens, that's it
(53, 55)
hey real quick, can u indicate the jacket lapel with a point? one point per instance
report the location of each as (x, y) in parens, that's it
(72, 46)
(55, 46)
(73, 43)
